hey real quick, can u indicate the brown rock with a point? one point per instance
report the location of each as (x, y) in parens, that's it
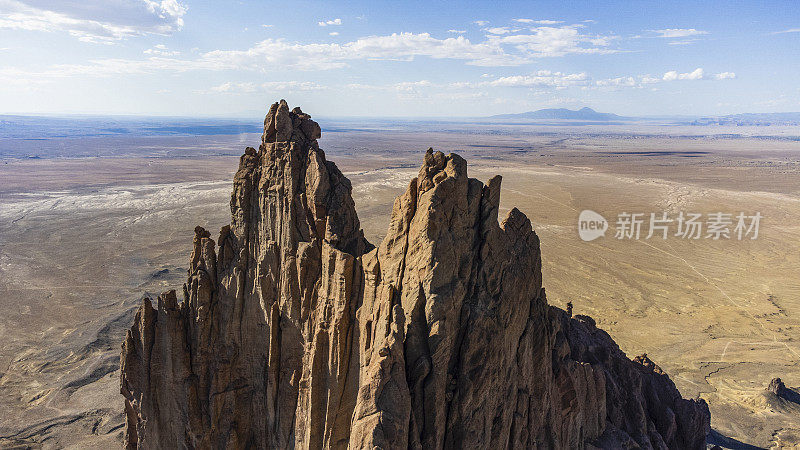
(296, 332)
(777, 387)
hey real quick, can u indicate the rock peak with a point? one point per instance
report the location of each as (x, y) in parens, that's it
(281, 125)
(295, 332)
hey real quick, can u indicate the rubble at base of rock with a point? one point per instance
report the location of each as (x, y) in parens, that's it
(295, 332)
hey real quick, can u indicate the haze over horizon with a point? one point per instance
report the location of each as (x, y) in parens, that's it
(191, 58)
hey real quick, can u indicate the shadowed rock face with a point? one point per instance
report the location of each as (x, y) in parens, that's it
(296, 332)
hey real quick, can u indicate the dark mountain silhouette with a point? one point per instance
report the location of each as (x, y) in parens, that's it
(563, 114)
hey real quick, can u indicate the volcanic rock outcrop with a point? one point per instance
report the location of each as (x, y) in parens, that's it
(295, 332)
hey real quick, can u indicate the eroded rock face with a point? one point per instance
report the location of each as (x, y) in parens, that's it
(296, 332)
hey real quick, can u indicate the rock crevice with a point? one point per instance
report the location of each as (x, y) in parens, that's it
(295, 332)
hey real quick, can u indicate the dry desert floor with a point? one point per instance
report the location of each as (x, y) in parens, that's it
(83, 239)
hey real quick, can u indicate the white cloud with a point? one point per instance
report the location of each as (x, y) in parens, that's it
(269, 54)
(465, 90)
(542, 78)
(267, 26)
(672, 75)
(790, 30)
(725, 76)
(678, 32)
(161, 50)
(460, 85)
(481, 23)
(642, 81)
(649, 79)
(333, 33)
(498, 30)
(397, 46)
(411, 86)
(556, 41)
(94, 20)
(270, 86)
(457, 31)
(330, 22)
(539, 22)
(619, 82)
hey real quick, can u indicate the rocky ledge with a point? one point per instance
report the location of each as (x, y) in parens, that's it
(295, 331)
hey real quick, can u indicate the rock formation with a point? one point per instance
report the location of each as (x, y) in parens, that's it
(295, 332)
(777, 388)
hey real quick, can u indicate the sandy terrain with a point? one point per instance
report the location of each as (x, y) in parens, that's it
(83, 239)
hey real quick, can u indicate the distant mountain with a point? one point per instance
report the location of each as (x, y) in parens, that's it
(760, 119)
(563, 114)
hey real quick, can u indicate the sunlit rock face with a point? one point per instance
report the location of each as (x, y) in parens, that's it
(295, 332)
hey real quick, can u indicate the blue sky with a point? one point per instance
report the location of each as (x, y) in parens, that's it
(432, 58)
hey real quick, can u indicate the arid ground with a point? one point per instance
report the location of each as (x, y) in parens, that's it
(82, 239)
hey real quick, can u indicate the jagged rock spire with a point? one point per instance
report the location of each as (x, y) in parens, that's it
(296, 332)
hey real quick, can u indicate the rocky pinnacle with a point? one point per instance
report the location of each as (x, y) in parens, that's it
(295, 332)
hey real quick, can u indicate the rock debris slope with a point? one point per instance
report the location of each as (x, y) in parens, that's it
(295, 332)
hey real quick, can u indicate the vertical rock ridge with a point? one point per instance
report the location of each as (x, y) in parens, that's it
(296, 332)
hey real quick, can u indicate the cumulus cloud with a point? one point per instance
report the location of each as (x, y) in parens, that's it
(678, 32)
(555, 41)
(93, 20)
(481, 23)
(696, 74)
(498, 30)
(329, 22)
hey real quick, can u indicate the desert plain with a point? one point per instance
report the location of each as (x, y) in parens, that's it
(91, 224)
